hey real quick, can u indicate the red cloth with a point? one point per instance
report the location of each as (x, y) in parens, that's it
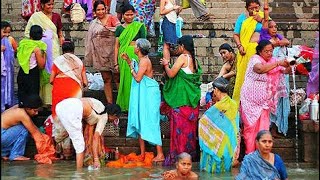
(45, 148)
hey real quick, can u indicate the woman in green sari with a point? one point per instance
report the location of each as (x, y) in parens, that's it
(126, 35)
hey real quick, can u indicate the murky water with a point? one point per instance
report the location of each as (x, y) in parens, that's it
(66, 170)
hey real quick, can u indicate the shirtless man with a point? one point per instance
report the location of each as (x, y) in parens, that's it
(16, 124)
(72, 111)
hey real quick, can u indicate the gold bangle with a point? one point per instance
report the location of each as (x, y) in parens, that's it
(132, 71)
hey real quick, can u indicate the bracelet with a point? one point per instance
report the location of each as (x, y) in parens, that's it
(239, 45)
(278, 64)
(131, 71)
(165, 64)
(116, 65)
(266, 9)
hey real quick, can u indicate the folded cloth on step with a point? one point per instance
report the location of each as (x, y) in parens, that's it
(45, 148)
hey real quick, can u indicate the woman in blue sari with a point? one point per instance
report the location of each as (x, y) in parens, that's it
(262, 163)
(144, 104)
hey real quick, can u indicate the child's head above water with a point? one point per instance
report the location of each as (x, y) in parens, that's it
(36, 32)
(5, 29)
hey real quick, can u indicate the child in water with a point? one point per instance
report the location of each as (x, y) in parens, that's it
(183, 171)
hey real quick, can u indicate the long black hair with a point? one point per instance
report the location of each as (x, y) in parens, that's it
(187, 42)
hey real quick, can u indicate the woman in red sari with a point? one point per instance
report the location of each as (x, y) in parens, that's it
(68, 77)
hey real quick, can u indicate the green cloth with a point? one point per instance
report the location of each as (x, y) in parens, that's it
(183, 89)
(127, 35)
(24, 51)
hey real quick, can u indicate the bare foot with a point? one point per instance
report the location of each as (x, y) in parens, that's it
(21, 158)
(5, 158)
(158, 158)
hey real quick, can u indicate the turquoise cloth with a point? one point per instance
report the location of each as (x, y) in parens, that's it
(144, 110)
(218, 129)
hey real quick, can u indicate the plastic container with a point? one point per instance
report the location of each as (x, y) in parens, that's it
(314, 110)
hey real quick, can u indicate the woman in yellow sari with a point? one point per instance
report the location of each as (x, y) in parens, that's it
(52, 30)
(246, 36)
(126, 35)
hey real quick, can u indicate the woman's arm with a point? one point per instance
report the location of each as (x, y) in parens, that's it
(164, 11)
(53, 73)
(40, 57)
(265, 20)
(172, 72)
(142, 67)
(84, 77)
(264, 68)
(116, 52)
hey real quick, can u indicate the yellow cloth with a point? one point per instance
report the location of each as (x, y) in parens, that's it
(247, 30)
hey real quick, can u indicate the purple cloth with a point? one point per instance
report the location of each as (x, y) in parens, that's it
(7, 79)
(264, 35)
(313, 81)
(47, 38)
(89, 14)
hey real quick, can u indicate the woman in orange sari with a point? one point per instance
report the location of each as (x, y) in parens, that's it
(68, 77)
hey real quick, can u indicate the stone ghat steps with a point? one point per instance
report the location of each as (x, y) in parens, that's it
(281, 10)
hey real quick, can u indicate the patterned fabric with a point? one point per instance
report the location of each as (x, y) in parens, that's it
(254, 166)
(247, 28)
(7, 76)
(100, 44)
(145, 10)
(313, 81)
(183, 132)
(218, 130)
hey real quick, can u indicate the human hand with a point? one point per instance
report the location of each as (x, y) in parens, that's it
(242, 51)
(284, 63)
(3, 48)
(164, 61)
(116, 68)
(61, 39)
(176, 7)
(96, 163)
(125, 57)
(257, 17)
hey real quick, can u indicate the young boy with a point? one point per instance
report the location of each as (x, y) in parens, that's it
(16, 124)
(72, 111)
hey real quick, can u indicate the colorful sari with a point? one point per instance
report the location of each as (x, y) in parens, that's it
(256, 104)
(313, 81)
(182, 95)
(125, 38)
(67, 83)
(39, 18)
(218, 130)
(248, 27)
(7, 75)
(144, 110)
(145, 10)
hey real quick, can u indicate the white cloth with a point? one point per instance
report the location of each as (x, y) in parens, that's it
(70, 112)
(172, 16)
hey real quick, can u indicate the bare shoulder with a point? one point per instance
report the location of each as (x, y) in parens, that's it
(13, 116)
(193, 175)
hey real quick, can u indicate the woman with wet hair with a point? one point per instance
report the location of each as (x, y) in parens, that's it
(219, 131)
(182, 93)
(258, 93)
(144, 106)
(126, 36)
(228, 69)
(262, 163)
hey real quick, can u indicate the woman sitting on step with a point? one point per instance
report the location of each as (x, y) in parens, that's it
(262, 163)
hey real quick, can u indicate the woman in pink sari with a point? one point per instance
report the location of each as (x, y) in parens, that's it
(257, 97)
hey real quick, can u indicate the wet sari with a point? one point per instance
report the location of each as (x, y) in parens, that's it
(126, 37)
(182, 95)
(218, 130)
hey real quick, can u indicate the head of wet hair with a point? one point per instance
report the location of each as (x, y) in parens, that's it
(68, 46)
(5, 24)
(227, 47)
(182, 156)
(32, 101)
(144, 45)
(261, 133)
(261, 45)
(221, 83)
(111, 109)
(36, 32)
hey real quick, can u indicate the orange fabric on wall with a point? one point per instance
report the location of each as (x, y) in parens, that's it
(45, 148)
(132, 160)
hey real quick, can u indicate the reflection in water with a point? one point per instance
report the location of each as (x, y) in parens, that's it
(67, 170)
